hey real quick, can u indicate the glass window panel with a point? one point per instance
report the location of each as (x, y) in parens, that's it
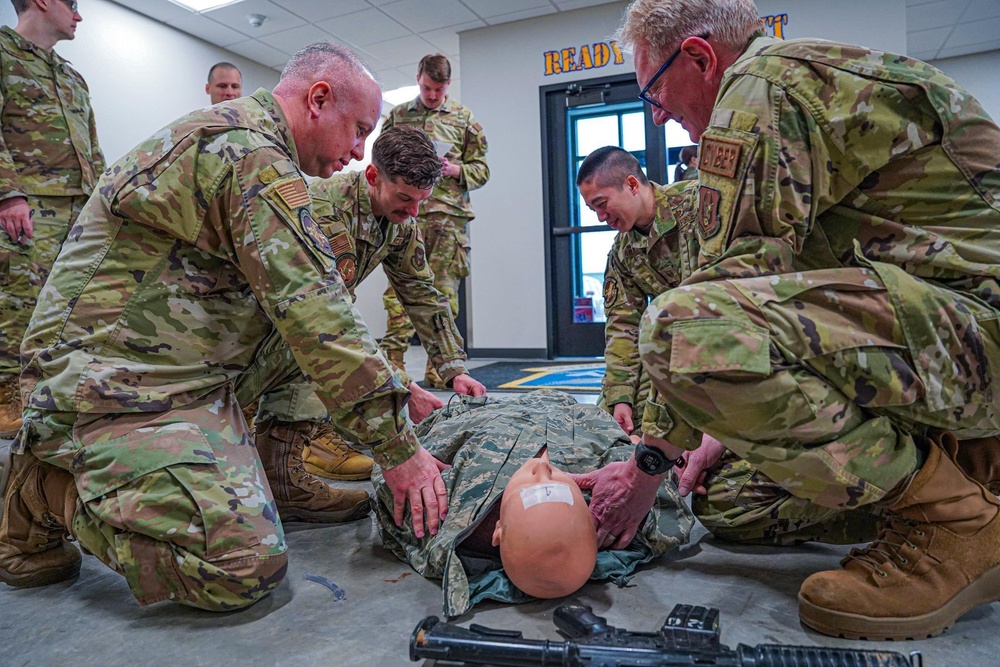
(634, 131)
(594, 248)
(587, 217)
(592, 133)
(675, 134)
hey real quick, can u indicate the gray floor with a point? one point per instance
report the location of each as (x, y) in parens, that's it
(95, 621)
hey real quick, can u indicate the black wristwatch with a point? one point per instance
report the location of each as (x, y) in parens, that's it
(652, 461)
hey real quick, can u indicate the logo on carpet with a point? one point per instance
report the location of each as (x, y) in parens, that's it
(585, 377)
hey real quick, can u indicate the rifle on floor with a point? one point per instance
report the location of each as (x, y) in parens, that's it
(689, 637)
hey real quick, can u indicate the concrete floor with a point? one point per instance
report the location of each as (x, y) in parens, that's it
(95, 621)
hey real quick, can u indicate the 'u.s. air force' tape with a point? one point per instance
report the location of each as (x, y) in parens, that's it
(551, 492)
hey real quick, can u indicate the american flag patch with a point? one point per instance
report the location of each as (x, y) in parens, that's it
(293, 193)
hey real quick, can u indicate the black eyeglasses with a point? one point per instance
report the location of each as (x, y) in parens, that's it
(644, 93)
(72, 4)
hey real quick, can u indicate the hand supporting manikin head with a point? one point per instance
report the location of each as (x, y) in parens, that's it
(548, 543)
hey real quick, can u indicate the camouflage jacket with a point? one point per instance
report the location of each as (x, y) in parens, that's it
(451, 123)
(48, 139)
(196, 246)
(485, 446)
(822, 155)
(361, 242)
(640, 267)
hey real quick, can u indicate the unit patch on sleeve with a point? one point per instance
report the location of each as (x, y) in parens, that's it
(419, 260)
(709, 222)
(347, 265)
(719, 156)
(610, 292)
(313, 231)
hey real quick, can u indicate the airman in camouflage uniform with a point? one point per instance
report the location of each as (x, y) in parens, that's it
(368, 218)
(196, 279)
(485, 445)
(655, 249)
(445, 216)
(49, 163)
(846, 304)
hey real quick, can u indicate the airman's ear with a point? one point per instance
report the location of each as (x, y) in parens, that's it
(320, 94)
(497, 534)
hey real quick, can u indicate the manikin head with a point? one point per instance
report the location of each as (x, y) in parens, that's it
(612, 184)
(224, 82)
(403, 172)
(332, 102)
(548, 543)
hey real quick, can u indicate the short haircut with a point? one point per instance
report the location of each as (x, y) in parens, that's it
(405, 151)
(223, 65)
(20, 5)
(688, 152)
(661, 25)
(610, 165)
(436, 67)
(324, 61)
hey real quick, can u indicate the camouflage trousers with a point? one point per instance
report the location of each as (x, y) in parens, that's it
(24, 268)
(447, 246)
(176, 501)
(821, 379)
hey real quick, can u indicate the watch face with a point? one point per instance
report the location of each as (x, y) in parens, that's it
(651, 461)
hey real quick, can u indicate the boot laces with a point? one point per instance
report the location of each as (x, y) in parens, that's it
(892, 547)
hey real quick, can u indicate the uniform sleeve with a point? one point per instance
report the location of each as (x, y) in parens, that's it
(408, 273)
(390, 120)
(289, 265)
(95, 147)
(475, 171)
(623, 306)
(9, 181)
(770, 163)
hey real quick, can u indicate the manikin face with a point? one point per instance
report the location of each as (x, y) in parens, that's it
(432, 93)
(618, 206)
(396, 199)
(337, 128)
(682, 90)
(226, 84)
(63, 18)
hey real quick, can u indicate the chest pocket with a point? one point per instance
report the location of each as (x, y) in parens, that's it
(724, 157)
(26, 83)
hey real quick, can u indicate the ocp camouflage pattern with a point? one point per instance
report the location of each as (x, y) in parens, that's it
(485, 445)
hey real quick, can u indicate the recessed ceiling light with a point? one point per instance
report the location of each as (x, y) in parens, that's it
(203, 5)
(400, 95)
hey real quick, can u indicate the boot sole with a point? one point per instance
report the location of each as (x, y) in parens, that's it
(984, 590)
(359, 511)
(44, 578)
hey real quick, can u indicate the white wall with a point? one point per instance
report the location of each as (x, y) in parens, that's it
(142, 74)
(502, 71)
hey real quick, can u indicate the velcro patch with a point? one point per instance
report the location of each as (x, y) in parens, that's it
(268, 175)
(709, 200)
(314, 233)
(293, 193)
(347, 265)
(610, 292)
(719, 156)
(341, 243)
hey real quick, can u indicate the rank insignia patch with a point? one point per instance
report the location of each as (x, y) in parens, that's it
(314, 233)
(347, 265)
(709, 200)
(719, 156)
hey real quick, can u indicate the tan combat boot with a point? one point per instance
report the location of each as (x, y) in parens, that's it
(431, 377)
(980, 460)
(38, 505)
(396, 360)
(937, 557)
(300, 495)
(327, 454)
(10, 407)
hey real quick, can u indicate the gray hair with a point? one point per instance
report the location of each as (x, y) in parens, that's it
(661, 25)
(324, 61)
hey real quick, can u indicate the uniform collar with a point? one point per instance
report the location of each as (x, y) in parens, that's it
(664, 222)
(270, 106)
(20, 42)
(371, 228)
(755, 47)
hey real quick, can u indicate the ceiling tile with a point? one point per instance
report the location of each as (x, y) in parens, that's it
(444, 40)
(518, 16)
(318, 10)
(259, 52)
(290, 41)
(924, 55)
(914, 3)
(207, 29)
(365, 27)
(926, 40)
(570, 5)
(980, 9)
(978, 32)
(952, 51)
(393, 78)
(489, 8)
(420, 15)
(400, 52)
(932, 15)
(235, 17)
(158, 9)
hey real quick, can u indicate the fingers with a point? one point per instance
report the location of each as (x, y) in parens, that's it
(398, 508)
(584, 480)
(625, 538)
(441, 491)
(28, 227)
(628, 425)
(479, 389)
(431, 506)
(417, 513)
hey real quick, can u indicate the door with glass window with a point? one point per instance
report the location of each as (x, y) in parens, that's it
(578, 119)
